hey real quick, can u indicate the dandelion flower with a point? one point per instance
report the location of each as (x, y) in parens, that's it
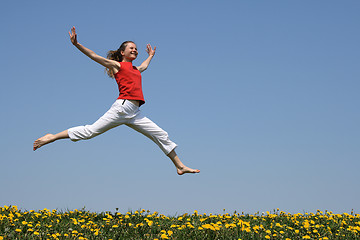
(164, 236)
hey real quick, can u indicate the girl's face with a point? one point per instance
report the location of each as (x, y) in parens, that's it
(130, 53)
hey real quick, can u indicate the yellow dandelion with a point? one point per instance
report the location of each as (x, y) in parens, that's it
(164, 236)
(36, 233)
(190, 225)
(306, 237)
(267, 237)
(17, 230)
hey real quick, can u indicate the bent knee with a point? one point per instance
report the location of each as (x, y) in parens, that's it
(81, 133)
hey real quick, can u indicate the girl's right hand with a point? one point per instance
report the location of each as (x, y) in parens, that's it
(73, 36)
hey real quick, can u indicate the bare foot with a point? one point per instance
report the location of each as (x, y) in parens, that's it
(48, 138)
(187, 170)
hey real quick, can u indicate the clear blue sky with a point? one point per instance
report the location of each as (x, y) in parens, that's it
(261, 96)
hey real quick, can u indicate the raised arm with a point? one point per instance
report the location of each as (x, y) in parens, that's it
(111, 64)
(146, 63)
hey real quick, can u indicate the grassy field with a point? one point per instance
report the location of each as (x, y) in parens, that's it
(82, 224)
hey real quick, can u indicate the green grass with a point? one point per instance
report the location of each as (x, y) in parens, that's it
(82, 224)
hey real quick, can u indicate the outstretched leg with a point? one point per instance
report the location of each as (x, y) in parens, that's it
(49, 138)
(161, 138)
(181, 168)
(109, 120)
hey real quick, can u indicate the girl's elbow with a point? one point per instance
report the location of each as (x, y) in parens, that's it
(142, 68)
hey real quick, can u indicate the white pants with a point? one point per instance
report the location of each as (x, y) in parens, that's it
(124, 112)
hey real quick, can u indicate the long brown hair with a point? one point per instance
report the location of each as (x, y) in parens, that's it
(116, 56)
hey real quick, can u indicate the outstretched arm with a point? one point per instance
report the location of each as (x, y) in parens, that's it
(111, 64)
(146, 63)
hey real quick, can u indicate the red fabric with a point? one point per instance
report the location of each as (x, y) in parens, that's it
(128, 79)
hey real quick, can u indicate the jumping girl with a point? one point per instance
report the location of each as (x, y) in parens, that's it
(125, 110)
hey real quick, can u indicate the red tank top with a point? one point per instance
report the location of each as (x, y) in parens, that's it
(128, 79)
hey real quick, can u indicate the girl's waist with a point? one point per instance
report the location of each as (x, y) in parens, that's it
(135, 102)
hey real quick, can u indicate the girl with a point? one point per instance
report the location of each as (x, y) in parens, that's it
(125, 110)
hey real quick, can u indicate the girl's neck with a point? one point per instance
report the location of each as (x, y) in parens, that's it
(126, 60)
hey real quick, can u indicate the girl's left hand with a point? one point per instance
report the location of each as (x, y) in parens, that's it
(149, 50)
(73, 36)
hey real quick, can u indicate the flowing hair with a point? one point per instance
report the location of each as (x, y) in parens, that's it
(116, 56)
